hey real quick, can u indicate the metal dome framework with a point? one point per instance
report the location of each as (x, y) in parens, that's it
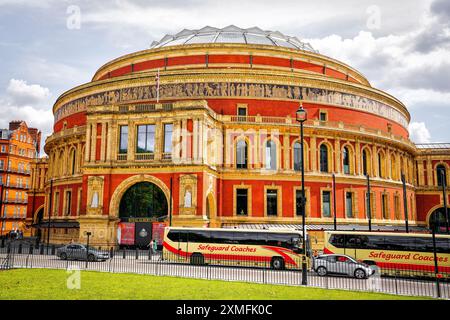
(232, 34)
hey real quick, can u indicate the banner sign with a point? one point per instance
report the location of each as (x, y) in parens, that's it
(125, 233)
(158, 232)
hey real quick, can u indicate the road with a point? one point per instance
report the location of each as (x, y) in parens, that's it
(153, 265)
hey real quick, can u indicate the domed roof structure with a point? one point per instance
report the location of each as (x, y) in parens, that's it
(232, 34)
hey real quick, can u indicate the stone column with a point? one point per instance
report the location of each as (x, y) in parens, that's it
(176, 140)
(286, 147)
(184, 137)
(93, 141)
(430, 181)
(109, 144)
(131, 141)
(337, 157)
(420, 169)
(103, 144)
(313, 148)
(87, 150)
(358, 170)
(159, 133)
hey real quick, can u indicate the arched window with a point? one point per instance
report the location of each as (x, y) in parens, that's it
(241, 154)
(297, 156)
(380, 165)
(365, 162)
(393, 168)
(323, 158)
(346, 160)
(441, 175)
(73, 157)
(271, 155)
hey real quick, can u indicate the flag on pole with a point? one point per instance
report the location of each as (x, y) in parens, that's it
(157, 86)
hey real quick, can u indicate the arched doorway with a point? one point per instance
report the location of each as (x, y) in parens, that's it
(438, 221)
(38, 219)
(142, 206)
(143, 200)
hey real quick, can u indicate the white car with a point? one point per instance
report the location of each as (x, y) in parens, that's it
(341, 264)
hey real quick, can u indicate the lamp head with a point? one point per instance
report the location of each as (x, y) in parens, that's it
(301, 114)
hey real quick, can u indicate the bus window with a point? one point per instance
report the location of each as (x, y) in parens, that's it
(222, 237)
(337, 240)
(199, 236)
(442, 245)
(376, 242)
(353, 241)
(279, 240)
(251, 238)
(177, 235)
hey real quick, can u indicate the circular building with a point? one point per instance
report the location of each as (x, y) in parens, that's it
(201, 130)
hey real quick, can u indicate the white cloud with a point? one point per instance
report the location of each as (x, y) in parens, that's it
(419, 133)
(23, 94)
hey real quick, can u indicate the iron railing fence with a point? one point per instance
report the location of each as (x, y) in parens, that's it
(322, 273)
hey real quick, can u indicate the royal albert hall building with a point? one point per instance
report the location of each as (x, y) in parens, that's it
(200, 130)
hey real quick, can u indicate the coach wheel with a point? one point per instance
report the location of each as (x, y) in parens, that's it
(197, 259)
(321, 271)
(360, 274)
(277, 263)
(63, 256)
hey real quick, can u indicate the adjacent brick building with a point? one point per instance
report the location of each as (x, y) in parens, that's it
(19, 145)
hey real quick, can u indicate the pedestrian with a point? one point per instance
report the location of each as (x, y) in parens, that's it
(155, 246)
(151, 245)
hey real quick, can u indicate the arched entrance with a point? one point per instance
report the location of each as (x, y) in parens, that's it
(143, 200)
(38, 219)
(141, 209)
(438, 220)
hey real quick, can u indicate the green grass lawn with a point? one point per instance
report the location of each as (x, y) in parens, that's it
(52, 284)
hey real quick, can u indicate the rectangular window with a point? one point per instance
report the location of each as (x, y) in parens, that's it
(242, 202)
(123, 143)
(349, 204)
(272, 202)
(397, 207)
(369, 204)
(323, 116)
(2, 163)
(298, 208)
(384, 208)
(68, 203)
(56, 204)
(168, 129)
(326, 204)
(146, 139)
(242, 111)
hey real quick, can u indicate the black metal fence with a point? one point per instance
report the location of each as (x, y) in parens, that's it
(323, 273)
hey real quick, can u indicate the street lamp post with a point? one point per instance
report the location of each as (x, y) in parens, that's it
(444, 196)
(1, 206)
(88, 234)
(49, 213)
(301, 116)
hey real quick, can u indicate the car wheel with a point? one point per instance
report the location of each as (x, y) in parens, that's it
(360, 274)
(321, 271)
(91, 257)
(63, 256)
(197, 259)
(277, 263)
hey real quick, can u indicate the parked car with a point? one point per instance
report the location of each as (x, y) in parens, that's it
(79, 252)
(341, 264)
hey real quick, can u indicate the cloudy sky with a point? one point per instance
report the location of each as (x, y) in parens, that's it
(402, 47)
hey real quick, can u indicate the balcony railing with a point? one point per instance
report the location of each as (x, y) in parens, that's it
(122, 157)
(339, 125)
(144, 156)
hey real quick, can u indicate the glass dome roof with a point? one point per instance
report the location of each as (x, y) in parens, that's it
(232, 34)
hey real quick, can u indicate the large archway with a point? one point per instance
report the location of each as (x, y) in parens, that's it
(143, 200)
(438, 221)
